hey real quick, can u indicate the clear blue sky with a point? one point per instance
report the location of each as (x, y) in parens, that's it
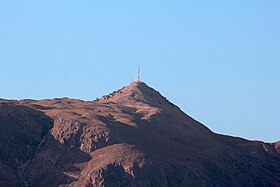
(219, 61)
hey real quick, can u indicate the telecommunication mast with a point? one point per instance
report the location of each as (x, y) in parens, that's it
(139, 78)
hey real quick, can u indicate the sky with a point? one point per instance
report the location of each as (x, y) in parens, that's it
(219, 61)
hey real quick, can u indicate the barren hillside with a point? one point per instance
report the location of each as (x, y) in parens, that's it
(131, 137)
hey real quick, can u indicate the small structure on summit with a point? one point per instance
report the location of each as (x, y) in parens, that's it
(138, 79)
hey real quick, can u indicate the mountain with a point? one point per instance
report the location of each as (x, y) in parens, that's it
(131, 137)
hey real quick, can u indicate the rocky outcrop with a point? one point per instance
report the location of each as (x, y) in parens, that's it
(79, 135)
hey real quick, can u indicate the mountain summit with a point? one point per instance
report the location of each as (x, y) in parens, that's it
(131, 137)
(136, 92)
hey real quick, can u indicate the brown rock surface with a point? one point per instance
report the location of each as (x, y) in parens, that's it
(131, 137)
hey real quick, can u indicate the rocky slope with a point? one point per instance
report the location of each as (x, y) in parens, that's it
(131, 137)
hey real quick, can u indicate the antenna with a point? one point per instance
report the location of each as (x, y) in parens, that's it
(138, 78)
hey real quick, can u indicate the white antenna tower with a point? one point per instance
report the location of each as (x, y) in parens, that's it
(139, 77)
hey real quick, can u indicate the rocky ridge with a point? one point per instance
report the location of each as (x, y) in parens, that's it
(131, 137)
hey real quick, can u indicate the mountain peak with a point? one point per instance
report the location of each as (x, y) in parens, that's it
(133, 136)
(137, 92)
